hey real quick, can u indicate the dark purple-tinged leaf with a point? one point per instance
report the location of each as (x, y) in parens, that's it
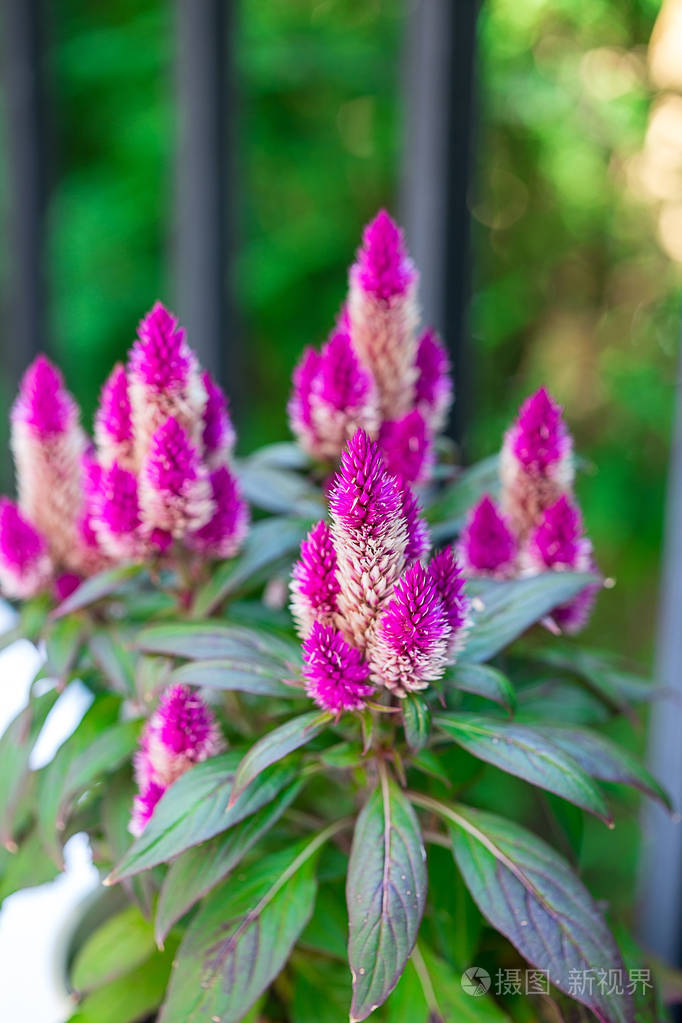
(211, 640)
(16, 745)
(121, 944)
(504, 610)
(242, 936)
(279, 490)
(104, 584)
(276, 745)
(482, 680)
(197, 807)
(268, 544)
(529, 893)
(385, 892)
(527, 753)
(448, 513)
(245, 676)
(604, 760)
(199, 869)
(105, 754)
(416, 721)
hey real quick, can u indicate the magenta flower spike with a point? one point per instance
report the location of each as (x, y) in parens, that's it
(25, 564)
(48, 446)
(113, 422)
(407, 448)
(174, 488)
(450, 584)
(410, 648)
(314, 583)
(181, 732)
(383, 315)
(370, 535)
(558, 544)
(164, 381)
(144, 805)
(299, 408)
(116, 513)
(224, 533)
(333, 397)
(336, 676)
(218, 437)
(487, 546)
(433, 388)
(536, 464)
(92, 557)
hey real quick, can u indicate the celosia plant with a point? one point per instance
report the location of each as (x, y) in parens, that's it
(331, 812)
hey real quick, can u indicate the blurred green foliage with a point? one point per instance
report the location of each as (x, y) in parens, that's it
(571, 285)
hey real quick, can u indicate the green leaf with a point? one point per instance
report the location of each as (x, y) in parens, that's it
(240, 675)
(129, 999)
(63, 644)
(195, 808)
(525, 752)
(430, 992)
(482, 680)
(96, 587)
(321, 991)
(448, 513)
(606, 761)
(28, 866)
(279, 490)
(503, 610)
(277, 744)
(386, 892)
(617, 687)
(416, 721)
(201, 868)
(268, 543)
(107, 649)
(529, 893)
(103, 755)
(242, 936)
(16, 745)
(122, 943)
(208, 641)
(282, 454)
(102, 715)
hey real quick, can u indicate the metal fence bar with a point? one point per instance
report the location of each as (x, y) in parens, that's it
(26, 148)
(660, 916)
(204, 30)
(440, 62)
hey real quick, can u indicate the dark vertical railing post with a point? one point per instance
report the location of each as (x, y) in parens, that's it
(438, 146)
(204, 154)
(661, 878)
(26, 148)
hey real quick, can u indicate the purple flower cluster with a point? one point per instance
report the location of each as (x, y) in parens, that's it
(157, 474)
(375, 373)
(182, 731)
(538, 526)
(368, 610)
